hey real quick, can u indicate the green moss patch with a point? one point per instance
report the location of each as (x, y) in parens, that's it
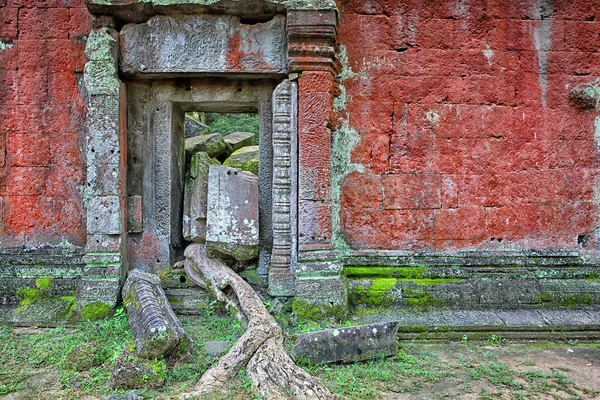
(44, 283)
(28, 296)
(96, 311)
(316, 312)
(390, 272)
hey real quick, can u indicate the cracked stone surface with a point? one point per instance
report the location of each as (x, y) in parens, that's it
(232, 214)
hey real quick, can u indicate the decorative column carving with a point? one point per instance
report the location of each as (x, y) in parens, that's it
(285, 189)
(319, 286)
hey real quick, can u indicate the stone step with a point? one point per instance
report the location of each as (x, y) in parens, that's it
(556, 324)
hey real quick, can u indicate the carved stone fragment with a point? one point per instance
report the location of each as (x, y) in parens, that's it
(232, 221)
(285, 205)
(348, 344)
(195, 197)
(155, 328)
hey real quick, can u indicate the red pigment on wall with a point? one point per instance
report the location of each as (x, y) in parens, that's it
(41, 117)
(467, 135)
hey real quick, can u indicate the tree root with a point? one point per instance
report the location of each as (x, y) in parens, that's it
(260, 349)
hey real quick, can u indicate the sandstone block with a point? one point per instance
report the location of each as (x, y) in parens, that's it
(237, 140)
(245, 159)
(195, 128)
(232, 222)
(203, 43)
(156, 330)
(195, 197)
(212, 144)
(348, 344)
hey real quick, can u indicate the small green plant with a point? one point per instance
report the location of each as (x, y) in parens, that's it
(28, 296)
(43, 283)
(464, 339)
(496, 341)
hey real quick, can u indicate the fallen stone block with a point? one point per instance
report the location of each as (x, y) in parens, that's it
(232, 222)
(237, 140)
(348, 344)
(195, 197)
(212, 144)
(133, 372)
(245, 159)
(194, 128)
(156, 330)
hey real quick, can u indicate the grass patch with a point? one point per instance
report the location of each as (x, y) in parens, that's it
(434, 370)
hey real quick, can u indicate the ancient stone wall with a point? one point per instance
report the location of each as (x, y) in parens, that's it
(455, 128)
(41, 122)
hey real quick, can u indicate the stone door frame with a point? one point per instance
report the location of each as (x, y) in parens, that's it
(305, 264)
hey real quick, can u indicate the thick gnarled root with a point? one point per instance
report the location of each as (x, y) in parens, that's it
(260, 349)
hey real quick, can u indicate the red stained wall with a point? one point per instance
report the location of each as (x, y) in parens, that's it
(467, 135)
(41, 121)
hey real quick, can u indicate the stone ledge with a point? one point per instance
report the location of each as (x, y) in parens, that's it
(140, 10)
(441, 324)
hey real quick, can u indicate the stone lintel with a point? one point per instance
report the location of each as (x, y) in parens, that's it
(205, 44)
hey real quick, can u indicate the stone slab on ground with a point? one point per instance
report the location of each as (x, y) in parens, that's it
(232, 222)
(237, 140)
(49, 312)
(195, 195)
(348, 344)
(156, 330)
(194, 128)
(245, 159)
(212, 144)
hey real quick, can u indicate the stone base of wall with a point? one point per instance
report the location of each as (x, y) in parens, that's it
(53, 287)
(472, 281)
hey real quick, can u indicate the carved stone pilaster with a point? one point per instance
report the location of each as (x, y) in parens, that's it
(311, 40)
(285, 184)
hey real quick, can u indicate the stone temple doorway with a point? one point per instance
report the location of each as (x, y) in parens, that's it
(156, 159)
(148, 65)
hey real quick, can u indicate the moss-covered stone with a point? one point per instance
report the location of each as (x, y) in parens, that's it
(374, 293)
(245, 159)
(28, 296)
(133, 372)
(390, 272)
(96, 311)
(316, 312)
